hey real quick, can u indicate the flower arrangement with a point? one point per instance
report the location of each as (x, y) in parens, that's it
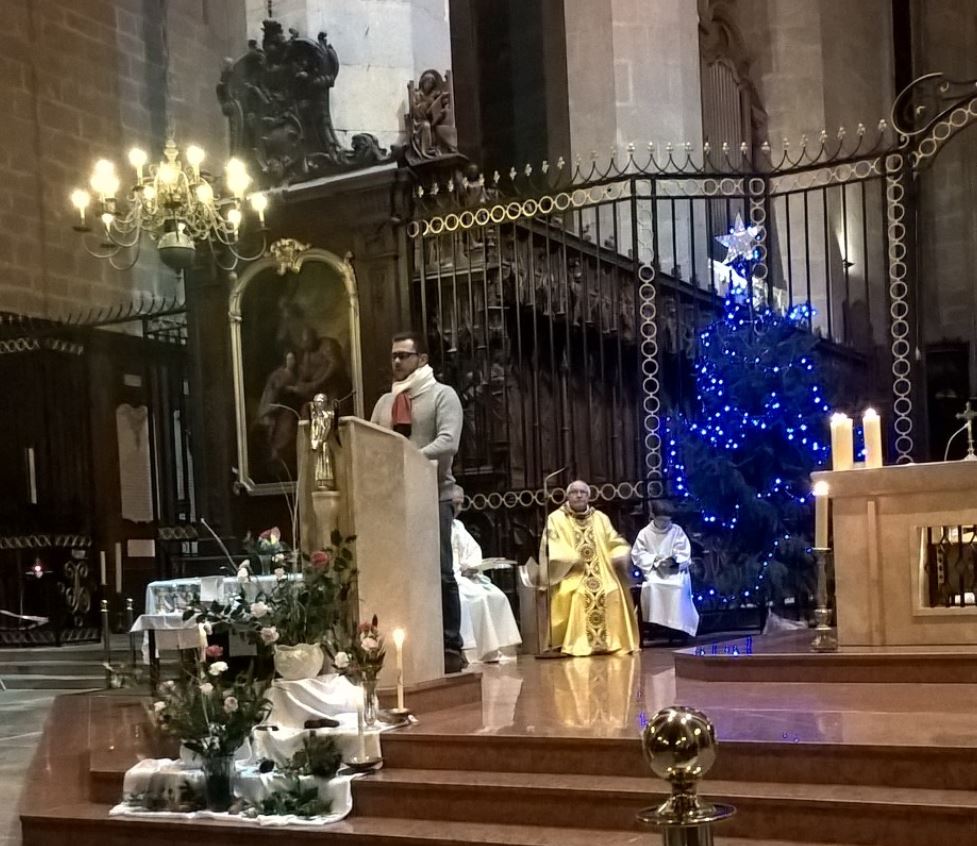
(211, 715)
(267, 550)
(362, 660)
(312, 609)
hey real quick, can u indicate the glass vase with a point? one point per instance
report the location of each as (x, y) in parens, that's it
(370, 703)
(218, 782)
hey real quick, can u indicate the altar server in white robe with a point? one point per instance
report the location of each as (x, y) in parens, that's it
(492, 624)
(662, 553)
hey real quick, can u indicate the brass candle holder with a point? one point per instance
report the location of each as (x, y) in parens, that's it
(824, 638)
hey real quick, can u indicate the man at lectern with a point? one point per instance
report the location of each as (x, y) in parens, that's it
(590, 609)
(429, 415)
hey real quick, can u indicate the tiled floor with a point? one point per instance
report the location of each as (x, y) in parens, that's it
(22, 715)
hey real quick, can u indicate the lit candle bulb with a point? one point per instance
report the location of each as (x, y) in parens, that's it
(821, 502)
(138, 158)
(872, 431)
(259, 202)
(842, 442)
(399, 643)
(80, 200)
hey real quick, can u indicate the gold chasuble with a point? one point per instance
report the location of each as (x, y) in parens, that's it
(591, 610)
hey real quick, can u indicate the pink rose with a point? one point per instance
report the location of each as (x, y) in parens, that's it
(320, 558)
(363, 628)
(272, 535)
(214, 651)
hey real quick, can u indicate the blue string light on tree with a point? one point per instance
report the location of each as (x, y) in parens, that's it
(743, 459)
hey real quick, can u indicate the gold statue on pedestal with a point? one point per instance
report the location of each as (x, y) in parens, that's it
(322, 429)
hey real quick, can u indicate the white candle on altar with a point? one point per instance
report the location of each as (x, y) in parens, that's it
(821, 502)
(360, 736)
(118, 568)
(101, 561)
(842, 442)
(872, 430)
(399, 643)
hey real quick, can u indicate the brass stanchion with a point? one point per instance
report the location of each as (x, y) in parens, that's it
(106, 643)
(680, 746)
(824, 637)
(130, 619)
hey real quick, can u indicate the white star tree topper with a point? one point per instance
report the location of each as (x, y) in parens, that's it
(740, 242)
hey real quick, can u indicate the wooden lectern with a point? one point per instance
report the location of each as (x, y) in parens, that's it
(387, 495)
(905, 543)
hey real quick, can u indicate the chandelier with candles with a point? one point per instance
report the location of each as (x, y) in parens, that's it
(174, 203)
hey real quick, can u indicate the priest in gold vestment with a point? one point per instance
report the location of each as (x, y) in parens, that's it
(585, 563)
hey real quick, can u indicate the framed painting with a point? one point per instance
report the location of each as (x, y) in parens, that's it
(295, 333)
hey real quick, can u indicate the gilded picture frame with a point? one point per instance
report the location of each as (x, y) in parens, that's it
(295, 331)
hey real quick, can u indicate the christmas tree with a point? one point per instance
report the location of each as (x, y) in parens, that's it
(743, 460)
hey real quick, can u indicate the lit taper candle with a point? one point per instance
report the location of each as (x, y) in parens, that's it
(399, 643)
(842, 442)
(872, 430)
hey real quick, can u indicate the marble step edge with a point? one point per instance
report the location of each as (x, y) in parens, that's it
(370, 831)
(624, 786)
(891, 765)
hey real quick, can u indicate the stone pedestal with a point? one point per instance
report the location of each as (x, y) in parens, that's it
(881, 584)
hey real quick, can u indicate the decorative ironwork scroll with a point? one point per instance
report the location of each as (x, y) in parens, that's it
(276, 99)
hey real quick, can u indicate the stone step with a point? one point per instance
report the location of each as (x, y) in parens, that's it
(92, 825)
(838, 813)
(941, 767)
(70, 681)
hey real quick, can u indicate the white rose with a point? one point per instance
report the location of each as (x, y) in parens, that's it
(259, 609)
(369, 644)
(341, 661)
(278, 557)
(206, 689)
(217, 668)
(269, 634)
(158, 707)
(230, 704)
(280, 574)
(243, 575)
(169, 686)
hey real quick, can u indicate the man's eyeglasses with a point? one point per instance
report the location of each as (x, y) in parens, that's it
(402, 356)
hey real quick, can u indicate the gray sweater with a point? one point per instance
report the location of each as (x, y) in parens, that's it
(436, 420)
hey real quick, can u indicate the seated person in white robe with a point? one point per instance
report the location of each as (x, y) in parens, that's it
(487, 623)
(662, 553)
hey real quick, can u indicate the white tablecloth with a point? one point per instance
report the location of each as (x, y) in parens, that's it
(166, 776)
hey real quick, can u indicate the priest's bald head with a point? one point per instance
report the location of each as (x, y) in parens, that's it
(578, 496)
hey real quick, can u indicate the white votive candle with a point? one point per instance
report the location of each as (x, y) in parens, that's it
(872, 430)
(842, 442)
(821, 503)
(399, 636)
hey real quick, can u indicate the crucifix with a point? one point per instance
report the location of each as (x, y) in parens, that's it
(968, 415)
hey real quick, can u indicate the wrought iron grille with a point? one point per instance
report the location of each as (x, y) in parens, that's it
(950, 565)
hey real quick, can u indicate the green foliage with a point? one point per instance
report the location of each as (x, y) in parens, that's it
(319, 756)
(297, 800)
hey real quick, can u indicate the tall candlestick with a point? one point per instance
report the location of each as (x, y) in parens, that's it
(821, 501)
(399, 643)
(360, 736)
(872, 430)
(118, 568)
(101, 561)
(842, 442)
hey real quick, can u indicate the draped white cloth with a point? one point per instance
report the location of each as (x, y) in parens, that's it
(487, 622)
(666, 594)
